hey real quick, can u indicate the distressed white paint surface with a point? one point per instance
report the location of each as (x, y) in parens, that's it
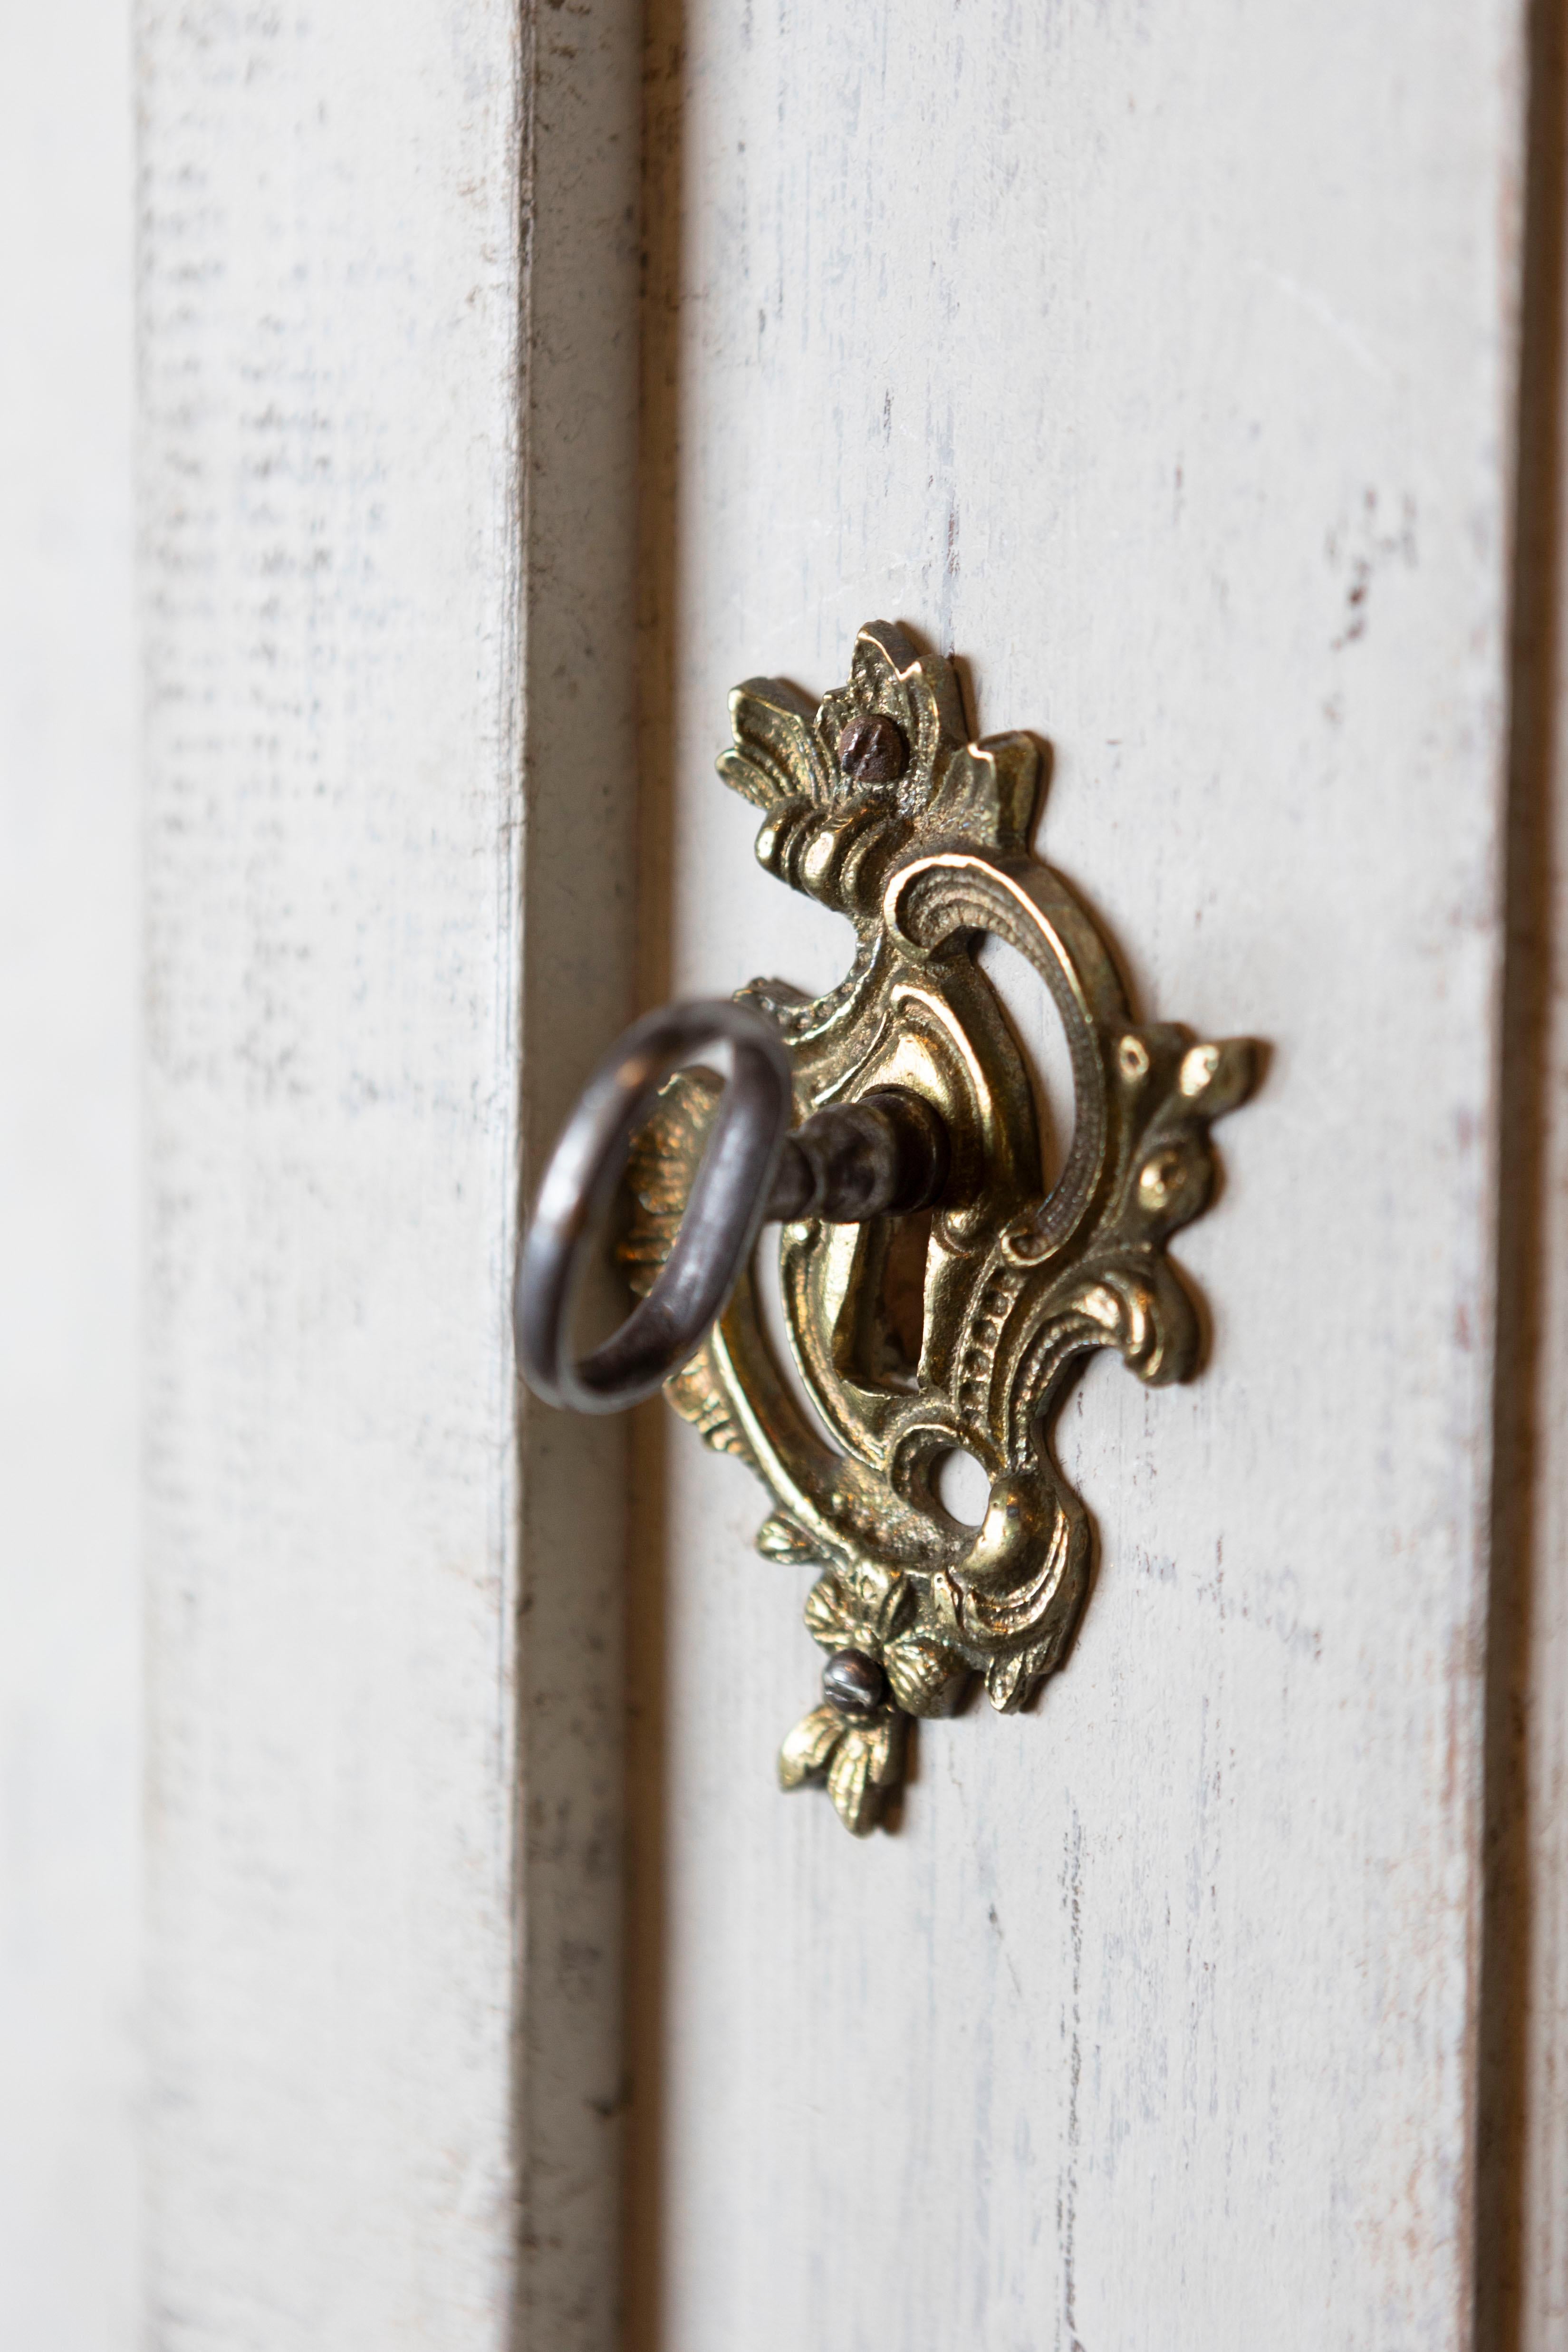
(350, 1941)
(1161, 362)
(70, 1654)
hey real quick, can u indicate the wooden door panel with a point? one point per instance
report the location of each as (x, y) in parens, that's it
(1164, 367)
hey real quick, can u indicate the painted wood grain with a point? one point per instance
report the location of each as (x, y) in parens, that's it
(1164, 366)
(388, 697)
(69, 1216)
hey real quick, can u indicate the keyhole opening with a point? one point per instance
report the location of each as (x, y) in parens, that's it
(903, 1316)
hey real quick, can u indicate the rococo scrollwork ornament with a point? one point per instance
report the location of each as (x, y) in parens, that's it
(959, 1327)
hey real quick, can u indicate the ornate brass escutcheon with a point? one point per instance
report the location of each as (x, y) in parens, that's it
(960, 1327)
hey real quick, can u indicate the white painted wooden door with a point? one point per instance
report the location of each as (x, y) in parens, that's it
(1163, 365)
(515, 380)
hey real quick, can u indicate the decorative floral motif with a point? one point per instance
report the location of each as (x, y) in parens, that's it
(861, 1759)
(876, 804)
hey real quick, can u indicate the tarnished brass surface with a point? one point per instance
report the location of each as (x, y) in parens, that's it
(910, 1341)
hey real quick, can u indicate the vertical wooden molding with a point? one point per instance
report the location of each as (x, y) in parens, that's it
(389, 378)
(579, 770)
(648, 1856)
(1522, 2142)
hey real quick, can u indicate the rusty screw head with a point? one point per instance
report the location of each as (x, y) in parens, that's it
(872, 749)
(854, 1683)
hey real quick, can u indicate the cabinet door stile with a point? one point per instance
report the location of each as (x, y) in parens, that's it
(388, 327)
(1165, 372)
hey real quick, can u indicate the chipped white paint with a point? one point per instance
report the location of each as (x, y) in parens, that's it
(1162, 363)
(70, 1654)
(371, 1887)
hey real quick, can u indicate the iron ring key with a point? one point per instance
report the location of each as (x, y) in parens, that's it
(724, 1212)
(883, 1154)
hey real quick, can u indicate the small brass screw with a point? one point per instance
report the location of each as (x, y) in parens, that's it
(872, 749)
(854, 1683)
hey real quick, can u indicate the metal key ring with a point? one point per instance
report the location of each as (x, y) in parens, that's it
(728, 1202)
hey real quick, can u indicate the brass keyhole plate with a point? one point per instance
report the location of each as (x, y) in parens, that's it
(877, 805)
